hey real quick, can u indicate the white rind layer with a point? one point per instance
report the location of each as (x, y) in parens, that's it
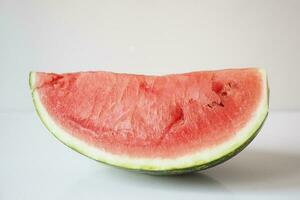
(157, 164)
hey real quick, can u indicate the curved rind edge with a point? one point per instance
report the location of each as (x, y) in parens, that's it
(198, 161)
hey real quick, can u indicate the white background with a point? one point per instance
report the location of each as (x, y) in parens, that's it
(151, 37)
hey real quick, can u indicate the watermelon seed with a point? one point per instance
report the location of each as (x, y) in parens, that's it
(209, 105)
(214, 103)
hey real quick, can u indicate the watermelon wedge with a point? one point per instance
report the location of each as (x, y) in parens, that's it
(167, 124)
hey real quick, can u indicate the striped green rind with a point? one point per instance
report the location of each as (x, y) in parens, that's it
(198, 161)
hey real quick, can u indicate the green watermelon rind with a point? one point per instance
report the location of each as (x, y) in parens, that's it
(194, 162)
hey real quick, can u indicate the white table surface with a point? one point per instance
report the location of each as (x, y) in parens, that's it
(34, 165)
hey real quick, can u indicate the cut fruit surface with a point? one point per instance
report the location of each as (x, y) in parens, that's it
(166, 124)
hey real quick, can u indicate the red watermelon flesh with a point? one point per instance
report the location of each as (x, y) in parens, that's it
(152, 116)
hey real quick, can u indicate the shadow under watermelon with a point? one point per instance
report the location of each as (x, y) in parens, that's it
(254, 170)
(259, 170)
(184, 182)
(250, 171)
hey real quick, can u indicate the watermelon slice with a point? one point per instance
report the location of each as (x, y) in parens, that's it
(158, 124)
